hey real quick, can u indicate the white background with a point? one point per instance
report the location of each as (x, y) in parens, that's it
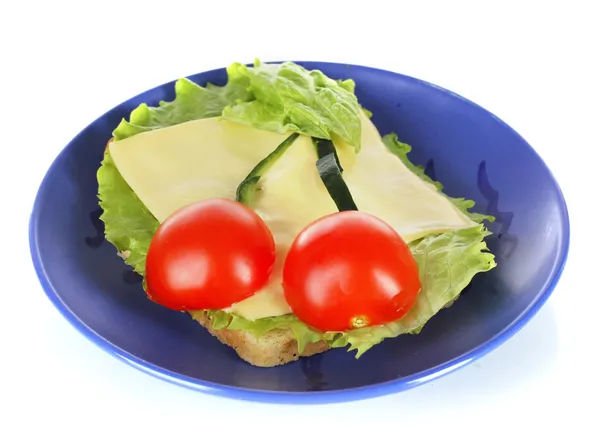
(530, 63)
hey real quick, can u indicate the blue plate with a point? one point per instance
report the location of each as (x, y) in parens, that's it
(469, 150)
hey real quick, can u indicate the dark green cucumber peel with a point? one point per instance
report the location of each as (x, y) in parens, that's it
(325, 147)
(330, 171)
(248, 187)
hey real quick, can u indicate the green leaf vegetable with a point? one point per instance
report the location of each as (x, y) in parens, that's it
(287, 97)
(446, 262)
(127, 222)
(191, 102)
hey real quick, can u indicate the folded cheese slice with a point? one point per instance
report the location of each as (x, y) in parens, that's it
(175, 166)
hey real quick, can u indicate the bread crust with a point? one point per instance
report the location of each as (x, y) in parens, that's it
(276, 347)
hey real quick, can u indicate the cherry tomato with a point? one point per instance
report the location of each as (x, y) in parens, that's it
(209, 255)
(349, 270)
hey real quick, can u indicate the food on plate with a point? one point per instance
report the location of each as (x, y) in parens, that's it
(273, 212)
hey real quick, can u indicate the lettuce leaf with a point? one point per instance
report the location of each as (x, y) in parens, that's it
(288, 98)
(128, 224)
(447, 262)
(191, 102)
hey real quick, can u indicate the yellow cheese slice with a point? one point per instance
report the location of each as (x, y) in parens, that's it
(383, 186)
(172, 167)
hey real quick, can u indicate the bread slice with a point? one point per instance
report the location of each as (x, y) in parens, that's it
(274, 348)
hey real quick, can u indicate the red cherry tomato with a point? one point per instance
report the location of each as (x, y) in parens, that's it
(209, 255)
(349, 270)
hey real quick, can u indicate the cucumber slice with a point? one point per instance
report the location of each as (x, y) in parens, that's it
(247, 189)
(330, 171)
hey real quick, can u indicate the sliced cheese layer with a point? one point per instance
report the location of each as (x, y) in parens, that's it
(175, 166)
(383, 186)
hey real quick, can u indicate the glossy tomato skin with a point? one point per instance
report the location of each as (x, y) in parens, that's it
(349, 270)
(209, 255)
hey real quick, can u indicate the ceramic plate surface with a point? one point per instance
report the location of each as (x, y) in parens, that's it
(469, 150)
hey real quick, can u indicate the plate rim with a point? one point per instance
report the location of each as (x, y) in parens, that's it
(315, 397)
